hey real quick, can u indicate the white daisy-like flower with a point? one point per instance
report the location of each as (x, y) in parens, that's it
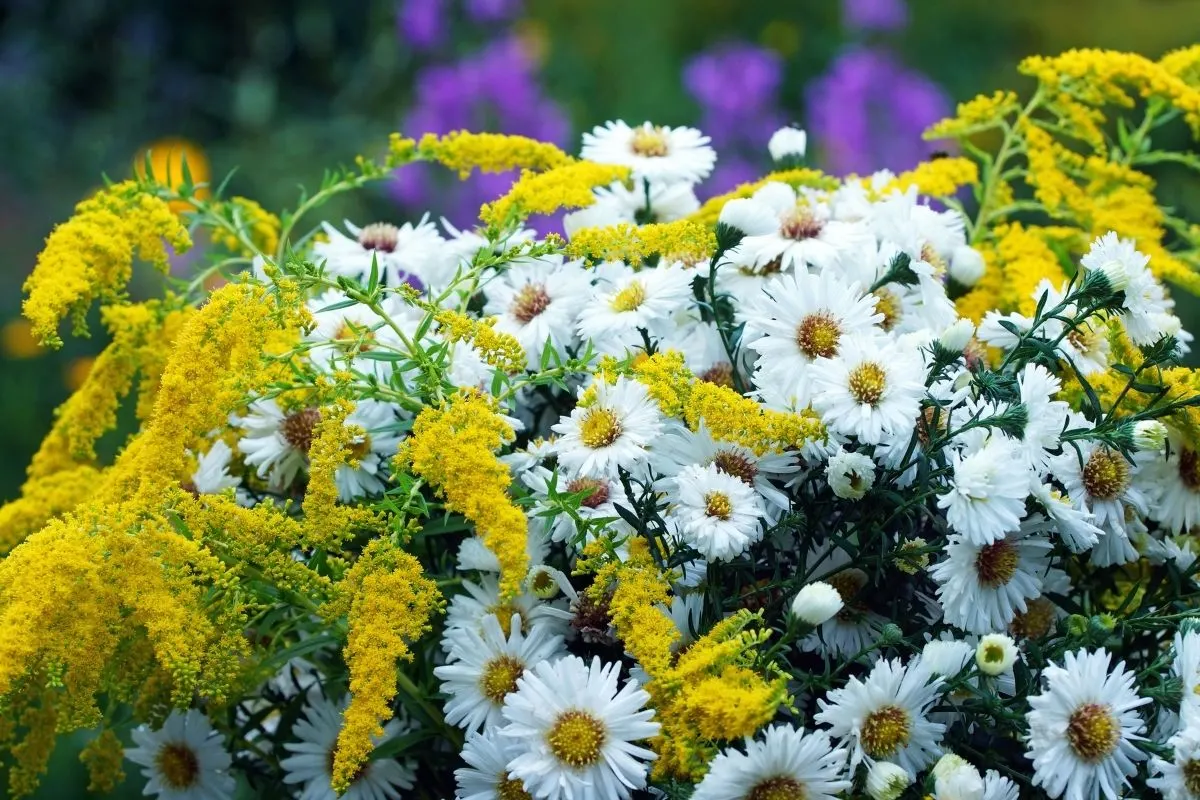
(787, 762)
(748, 217)
(1100, 480)
(986, 497)
(715, 512)
(576, 731)
(1144, 299)
(1046, 418)
(885, 716)
(1173, 483)
(643, 202)
(212, 470)
(482, 599)
(486, 775)
(537, 301)
(1070, 520)
(613, 432)
(412, 254)
(998, 787)
(871, 389)
(484, 667)
(311, 759)
(946, 657)
(850, 475)
(653, 152)
(983, 587)
(185, 759)
(801, 318)
(806, 234)
(618, 311)
(1084, 727)
(370, 450)
(277, 443)
(1179, 778)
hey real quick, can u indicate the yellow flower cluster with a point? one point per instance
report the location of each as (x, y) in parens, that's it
(940, 177)
(682, 240)
(90, 256)
(104, 758)
(801, 176)
(982, 113)
(255, 230)
(1184, 63)
(328, 524)
(462, 152)
(730, 416)
(453, 448)
(568, 186)
(501, 350)
(32, 753)
(388, 603)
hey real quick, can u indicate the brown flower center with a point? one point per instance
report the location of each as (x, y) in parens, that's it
(772, 267)
(996, 564)
(178, 764)
(598, 488)
(818, 335)
(733, 463)
(720, 374)
(867, 383)
(297, 428)
(1093, 732)
(781, 788)
(508, 788)
(800, 224)
(1035, 621)
(1189, 469)
(379, 236)
(885, 732)
(1106, 474)
(530, 301)
(577, 738)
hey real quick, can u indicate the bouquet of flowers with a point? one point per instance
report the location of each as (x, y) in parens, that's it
(876, 486)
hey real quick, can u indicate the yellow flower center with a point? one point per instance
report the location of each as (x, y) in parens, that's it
(577, 738)
(630, 298)
(178, 765)
(504, 612)
(717, 504)
(885, 731)
(362, 448)
(1035, 621)
(511, 789)
(297, 428)
(499, 678)
(542, 582)
(934, 259)
(818, 335)
(867, 382)
(1093, 732)
(781, 788)
(888, 304)
(649, 142)
(1106, 474)
(996, 564)
(379, 236)
(1189, 469)
(529, 302)
(800, 224)
(737, 465)
(599, 428)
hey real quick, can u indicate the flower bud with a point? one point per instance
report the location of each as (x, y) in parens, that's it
(817, 603)
(887, 781)
(995, 654)
(1149, 435)
(966, 265)
(850, 475)
(891, 634)
(955, 778)
(957, 336)
(749, 217)
(543, 581)
(786, 143)
(1116, 273)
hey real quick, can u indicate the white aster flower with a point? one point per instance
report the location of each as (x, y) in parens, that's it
(277, 443)
(479, 600)
(1145, 302)
(652, 152)
(486, 775)
(576, 731)
(1070, 520)
(1186, 667)
(537, 301)
(982, 587)
(805, 234)
(850, 475)
(636, 204)
(996, 654)
(1101, 480)
(817, 602)
(946, 657)
(787, 763)
(474, 554)
(212, 470)
(185, 759)
(749, 217)
(613, 432)
(620, 309)
(1084, 727)
(603, 495)
(311, 759)
(856, 626)
(715, 512)
(1179, 778)
(1046, 418)
(484, 667)
(412, 254)
(997, 787)
(1173, 484)
(986, 497)
(871, 389)
(885, 716)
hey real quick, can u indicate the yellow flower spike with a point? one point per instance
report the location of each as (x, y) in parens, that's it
(463, 152)
(104, 758)
(982, 113)
(501, 350)
(453, 448)
(682, 240)
(328, 524)
(941, 177)
(32, 753)
(90, 256)
(1025, 259)
(568, 186)
(796, 178)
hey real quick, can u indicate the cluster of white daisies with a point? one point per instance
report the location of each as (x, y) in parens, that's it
(839, 301)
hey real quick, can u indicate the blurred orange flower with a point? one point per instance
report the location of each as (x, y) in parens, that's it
(16, 339)
(167, 157)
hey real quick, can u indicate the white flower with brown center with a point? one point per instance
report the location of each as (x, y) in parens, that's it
(806, 235)
(1084, 728)
(575, 727)
(785, 764)
(1179, 778)
(537, 301)
(412, 254)
(653, 152)
(185, 759)
(276, 441)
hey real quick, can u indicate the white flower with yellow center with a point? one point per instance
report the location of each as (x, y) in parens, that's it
(885, 716)
(486, 775)
(986, 497)
(537, 301)
(715, 512)
(479, 600)
(806, 235)
(1084, 727)
(983, 587)
(185, 759)
(801, 318)
(629, 303)
(614, 431)
(574, 731)
(653, 152)
(1102, 481)
(871, 389)
(786, 764)
(484, 667)
(1179, 778)
(310, 759)
(638, 204)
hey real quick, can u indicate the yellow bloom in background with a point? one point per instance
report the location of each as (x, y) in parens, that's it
(17, 340)
(167, 158)
(77, 372)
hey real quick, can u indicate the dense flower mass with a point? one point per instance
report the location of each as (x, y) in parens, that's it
(868, 486)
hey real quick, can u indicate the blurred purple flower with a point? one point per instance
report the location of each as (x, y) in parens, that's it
(421, 23)
(492, 10)
(869, 110)
(734, 78)
(881, 15)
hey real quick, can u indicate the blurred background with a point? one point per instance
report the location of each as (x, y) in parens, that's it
(278, 89)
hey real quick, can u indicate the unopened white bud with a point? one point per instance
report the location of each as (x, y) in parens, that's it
(850, 475)
(966, 265)
(1116, 273)
(750, 217)
(816, 603)
(1149, 435)
(887, 781)
(996, 654)
(957, 336)
(787, 142)
(955, 778)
